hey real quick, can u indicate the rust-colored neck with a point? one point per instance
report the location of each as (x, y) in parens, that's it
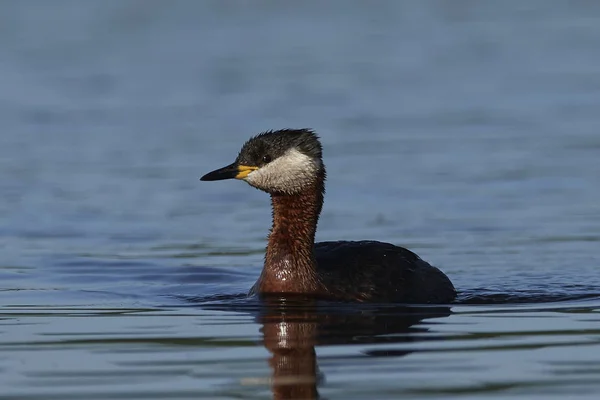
(290, 265)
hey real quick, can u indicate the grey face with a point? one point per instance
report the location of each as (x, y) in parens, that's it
(284, 162)
(288, 161)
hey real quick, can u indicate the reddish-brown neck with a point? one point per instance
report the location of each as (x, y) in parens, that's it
(290, 265)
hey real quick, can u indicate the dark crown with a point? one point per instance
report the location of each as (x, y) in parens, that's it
(270, 145)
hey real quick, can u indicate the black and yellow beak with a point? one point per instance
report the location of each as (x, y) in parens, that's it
(229, 172)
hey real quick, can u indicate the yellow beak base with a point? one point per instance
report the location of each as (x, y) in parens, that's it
(244, 170)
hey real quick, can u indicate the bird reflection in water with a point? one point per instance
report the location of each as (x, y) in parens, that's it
(292, 328)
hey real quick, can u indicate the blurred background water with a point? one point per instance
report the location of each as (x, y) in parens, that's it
(467, 131)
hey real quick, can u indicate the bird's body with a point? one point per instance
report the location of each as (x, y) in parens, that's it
(370, 271)
(288, 165)
(380, 272)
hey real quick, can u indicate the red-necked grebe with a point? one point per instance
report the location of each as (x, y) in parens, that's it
(288, 165)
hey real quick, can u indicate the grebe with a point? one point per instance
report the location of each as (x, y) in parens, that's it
(288, 165)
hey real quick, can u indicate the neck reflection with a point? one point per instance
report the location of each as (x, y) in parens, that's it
(291, 329)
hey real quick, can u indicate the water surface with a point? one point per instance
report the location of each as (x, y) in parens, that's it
(467, 132)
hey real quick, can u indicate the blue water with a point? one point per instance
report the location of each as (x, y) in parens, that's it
(465, 131)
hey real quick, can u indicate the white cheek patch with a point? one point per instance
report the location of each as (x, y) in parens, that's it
(289, 174)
